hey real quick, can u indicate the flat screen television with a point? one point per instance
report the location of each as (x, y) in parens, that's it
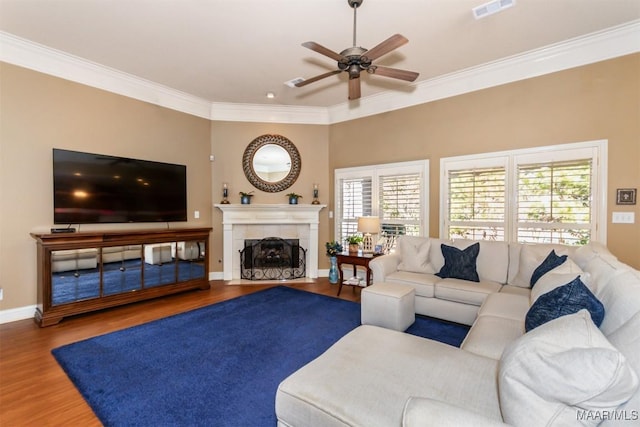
(96, 188)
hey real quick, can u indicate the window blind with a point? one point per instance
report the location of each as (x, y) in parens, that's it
(554, 202)
(400, 208)
(355, 201)
(477, 203)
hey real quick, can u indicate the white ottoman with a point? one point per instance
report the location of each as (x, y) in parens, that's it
(391, 306)
(157, 253)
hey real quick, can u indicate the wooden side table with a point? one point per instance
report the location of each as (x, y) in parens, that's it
(355, 260)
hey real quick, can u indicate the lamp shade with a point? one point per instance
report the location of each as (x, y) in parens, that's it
(369, 224)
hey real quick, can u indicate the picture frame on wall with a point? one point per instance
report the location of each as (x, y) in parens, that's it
(626, 196)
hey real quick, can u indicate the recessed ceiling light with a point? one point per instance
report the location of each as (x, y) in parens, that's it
(271, 95)
(492, 7)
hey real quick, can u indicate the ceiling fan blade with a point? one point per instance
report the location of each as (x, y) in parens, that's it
(316, 78)
(393, 42)
(395, 73)
(323, 50)
(354, 88)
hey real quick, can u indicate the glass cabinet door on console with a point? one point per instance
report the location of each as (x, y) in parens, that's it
(173, 262)
(159, 264)
(190, 256)
(75, 275)
(121, 269)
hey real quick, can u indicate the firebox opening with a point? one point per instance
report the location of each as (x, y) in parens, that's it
(272, 258)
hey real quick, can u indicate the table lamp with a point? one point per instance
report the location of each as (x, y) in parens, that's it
(368, 225)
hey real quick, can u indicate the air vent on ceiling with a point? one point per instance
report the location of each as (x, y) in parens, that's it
(293, 82)
(492, 7)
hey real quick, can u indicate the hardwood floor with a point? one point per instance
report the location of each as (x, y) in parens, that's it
(34, 390)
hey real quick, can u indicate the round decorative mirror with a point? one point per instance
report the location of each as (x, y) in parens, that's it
(271, 163)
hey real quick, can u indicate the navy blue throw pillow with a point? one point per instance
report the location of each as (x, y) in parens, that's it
(460, 264)
(566, 299)
(550, 262)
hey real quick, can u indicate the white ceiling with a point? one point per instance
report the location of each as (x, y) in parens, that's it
(235, 51)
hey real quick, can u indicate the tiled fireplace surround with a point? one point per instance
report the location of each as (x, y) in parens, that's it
(257, 221)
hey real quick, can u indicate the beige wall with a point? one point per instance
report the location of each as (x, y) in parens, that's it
(40, 112)
(598, 101)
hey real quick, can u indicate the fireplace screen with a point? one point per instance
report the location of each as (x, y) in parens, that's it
(272, 258)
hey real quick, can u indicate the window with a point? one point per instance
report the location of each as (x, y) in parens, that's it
(552, 194)
(396, 193)
(477, 202)
(554, 202)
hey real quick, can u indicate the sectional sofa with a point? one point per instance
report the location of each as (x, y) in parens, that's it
(551, 355)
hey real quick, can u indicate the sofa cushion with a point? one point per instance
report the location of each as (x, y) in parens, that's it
(559, 276)
(583, 255)
(414, 254)
(500, 321)
(490, 335)
(435, 252)
(515, 290)
(531, 256)
(493, 260)
(566, 299)
(505, 305)
(603, 270)
(464, 291)
(424, 284)
(627, 340)
(550, 375)
(425, 412)
(621, 298)
(549, 263)
(366, 377)
(460, 264)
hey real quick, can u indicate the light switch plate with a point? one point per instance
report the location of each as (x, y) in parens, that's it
(623, 217)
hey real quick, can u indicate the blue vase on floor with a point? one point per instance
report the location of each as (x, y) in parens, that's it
(334, 277)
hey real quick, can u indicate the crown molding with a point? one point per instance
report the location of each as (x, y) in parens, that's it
(269, 113)
(595, 47)
(27, 54)
(600, 46)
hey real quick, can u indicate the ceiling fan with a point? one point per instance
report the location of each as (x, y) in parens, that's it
(355, 59)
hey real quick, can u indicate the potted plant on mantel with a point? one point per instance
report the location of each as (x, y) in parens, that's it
(293, 198)
(245, 198)
(354, 242)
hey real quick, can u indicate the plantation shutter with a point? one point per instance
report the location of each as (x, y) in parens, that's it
(355, 201)
(399, 204)
(554, 202)
(477, 204)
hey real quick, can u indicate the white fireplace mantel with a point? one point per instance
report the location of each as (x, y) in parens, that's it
(236, 216)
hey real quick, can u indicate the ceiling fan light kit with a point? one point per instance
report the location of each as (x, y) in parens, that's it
(356, 59)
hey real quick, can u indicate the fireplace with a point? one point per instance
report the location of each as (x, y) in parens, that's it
(258, 221)
(272, 258)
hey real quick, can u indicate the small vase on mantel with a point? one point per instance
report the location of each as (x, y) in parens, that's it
(334, 277)
(245, 198)
(293, 198)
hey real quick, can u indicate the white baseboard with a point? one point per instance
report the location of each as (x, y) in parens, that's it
(14, 314)
(216, 275)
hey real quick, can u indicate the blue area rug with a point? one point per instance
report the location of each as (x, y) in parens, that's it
(215, 366)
